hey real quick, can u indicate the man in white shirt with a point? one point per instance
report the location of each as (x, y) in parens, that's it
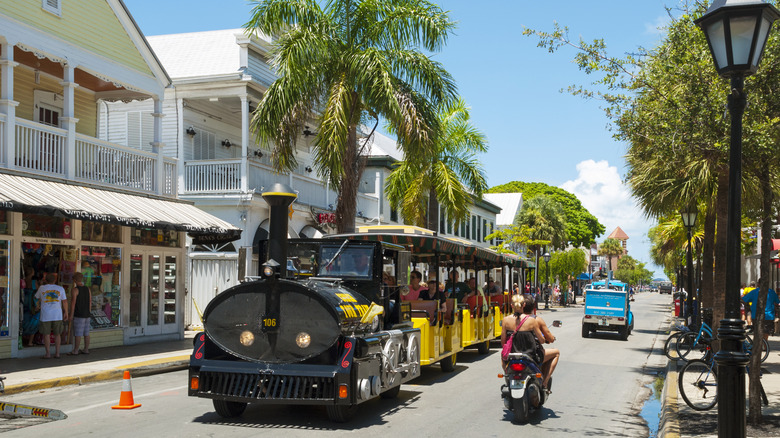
(53, 304)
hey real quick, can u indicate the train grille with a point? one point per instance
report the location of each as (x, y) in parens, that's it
(268, 386)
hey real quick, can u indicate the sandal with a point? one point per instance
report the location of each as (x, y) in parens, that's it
(73, 353)
(84, 352)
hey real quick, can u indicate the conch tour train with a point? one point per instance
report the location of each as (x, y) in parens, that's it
(322, 325)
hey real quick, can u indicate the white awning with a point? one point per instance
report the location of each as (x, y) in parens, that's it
(30, 195)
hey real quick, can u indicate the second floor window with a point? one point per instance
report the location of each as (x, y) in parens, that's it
(204, 145)
(140, 130)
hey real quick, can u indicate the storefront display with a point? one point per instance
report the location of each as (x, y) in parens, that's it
(101, 232)
(36, 225)
(4, 228)
(102, 271)
(4, 291)
(152, 237)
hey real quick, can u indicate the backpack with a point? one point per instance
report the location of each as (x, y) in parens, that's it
(508, 345)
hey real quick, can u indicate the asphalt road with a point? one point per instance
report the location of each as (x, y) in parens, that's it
(598, 390)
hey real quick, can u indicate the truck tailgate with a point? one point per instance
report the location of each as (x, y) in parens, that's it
(605, 303)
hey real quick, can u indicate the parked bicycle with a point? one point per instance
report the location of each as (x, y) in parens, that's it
(671, 342)
(701, 340)
(698, 383)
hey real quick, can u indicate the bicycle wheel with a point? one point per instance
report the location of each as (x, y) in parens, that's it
(698, 385)
(685, 344)
(671, 345)
(749, 348)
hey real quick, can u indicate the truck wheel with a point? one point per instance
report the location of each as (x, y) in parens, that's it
(391, 393)
(448, 363)
(229, 409)
(624, 332)
(585, 330)
(341, 413)
(484, 348)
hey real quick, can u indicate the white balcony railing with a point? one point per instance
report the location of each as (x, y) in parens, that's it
(212, 176)
(103, 162)
(40, 148)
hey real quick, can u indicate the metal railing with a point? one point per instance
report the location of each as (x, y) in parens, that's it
(212, 176)
(107, 163)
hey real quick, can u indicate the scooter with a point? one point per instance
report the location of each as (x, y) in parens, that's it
(522, 390)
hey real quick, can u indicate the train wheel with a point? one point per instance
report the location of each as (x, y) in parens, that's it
(341, 413)
(520, 409)
(413, 355)
(484, 348)
(229, 409)
(448, 363)
(391, 393)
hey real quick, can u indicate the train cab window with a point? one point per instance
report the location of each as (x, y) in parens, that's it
(349, 261)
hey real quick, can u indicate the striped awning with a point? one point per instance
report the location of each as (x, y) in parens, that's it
(31, 195)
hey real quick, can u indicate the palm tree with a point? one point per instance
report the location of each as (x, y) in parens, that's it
(611, 248)
(345, 64)
(543, 220)
(449, 176)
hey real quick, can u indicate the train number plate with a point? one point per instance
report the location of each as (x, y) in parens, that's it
(603, 322)
(269, 323)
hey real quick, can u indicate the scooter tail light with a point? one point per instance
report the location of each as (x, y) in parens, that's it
(517, 367)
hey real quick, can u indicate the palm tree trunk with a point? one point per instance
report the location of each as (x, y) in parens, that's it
(432, 222)
(754, 412)
(719, 277)
(347, 200)
(708, 257)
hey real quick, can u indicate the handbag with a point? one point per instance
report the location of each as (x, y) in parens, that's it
(508, 345)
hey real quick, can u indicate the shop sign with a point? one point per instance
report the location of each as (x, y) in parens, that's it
(326, 218)
(48, 241)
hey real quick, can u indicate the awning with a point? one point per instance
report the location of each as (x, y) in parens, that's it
(584, 276)
(30, 195)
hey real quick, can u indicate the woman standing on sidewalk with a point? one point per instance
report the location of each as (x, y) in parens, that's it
(81, 303)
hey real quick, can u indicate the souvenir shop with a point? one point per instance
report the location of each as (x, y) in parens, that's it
(135, 275)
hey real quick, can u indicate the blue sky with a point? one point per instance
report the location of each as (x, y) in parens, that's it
(536, 132)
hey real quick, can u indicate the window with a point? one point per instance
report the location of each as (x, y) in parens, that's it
(140, 130)
(393, 215)
(474, 229)
(53, 6)
(204, 145)
(484, 228)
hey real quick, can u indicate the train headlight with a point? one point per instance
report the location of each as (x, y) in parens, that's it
(247, 338)
(375, 324)
(303, 339)
(268, 271)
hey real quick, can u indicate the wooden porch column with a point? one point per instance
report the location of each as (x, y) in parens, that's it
(69, 120)
(8, 104)
(157, 147)
(180, 145)
(244, 142)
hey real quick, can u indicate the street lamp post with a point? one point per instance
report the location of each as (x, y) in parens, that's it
(689, 221)
(546, 279)
(736, 32)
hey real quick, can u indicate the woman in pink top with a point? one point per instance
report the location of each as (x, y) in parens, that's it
(414, 287)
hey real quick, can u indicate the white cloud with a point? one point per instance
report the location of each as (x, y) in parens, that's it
(601, 191)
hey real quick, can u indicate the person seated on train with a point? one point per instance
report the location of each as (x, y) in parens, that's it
(415, 287)
(528, 338)
(456, 289)
(433, 292)
(473, 288)
(551, 355)
(492, 288)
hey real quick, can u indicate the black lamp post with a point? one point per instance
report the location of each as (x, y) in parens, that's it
(689, 221)
(736, 32)
(546, 279)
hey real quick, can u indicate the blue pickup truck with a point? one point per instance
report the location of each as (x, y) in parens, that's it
(607, 308)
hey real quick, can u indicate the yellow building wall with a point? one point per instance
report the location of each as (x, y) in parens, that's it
(90, 24)
(85, 107)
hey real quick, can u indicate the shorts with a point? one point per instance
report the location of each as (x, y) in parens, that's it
(80, 326)
(769, 327)
(47, 327)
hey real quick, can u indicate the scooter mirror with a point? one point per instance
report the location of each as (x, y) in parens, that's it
(557, 323)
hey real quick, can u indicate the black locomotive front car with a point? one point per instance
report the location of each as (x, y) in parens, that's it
(297, 342)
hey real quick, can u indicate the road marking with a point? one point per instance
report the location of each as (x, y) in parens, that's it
(148, 394)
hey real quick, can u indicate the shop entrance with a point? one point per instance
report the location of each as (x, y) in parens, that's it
(154, 281)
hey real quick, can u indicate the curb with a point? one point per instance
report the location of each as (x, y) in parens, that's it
(670, 426)
(140, 369)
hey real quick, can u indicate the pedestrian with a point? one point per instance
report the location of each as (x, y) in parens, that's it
(80, 307)
(53, 305)
(769, 311)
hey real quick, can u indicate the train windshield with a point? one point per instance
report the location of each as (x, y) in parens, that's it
(346, 261)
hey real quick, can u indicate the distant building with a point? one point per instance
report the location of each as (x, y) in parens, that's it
(620, 235)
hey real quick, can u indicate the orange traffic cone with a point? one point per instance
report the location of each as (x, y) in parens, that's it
(126, 397)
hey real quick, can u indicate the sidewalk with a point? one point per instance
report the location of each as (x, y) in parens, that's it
(34, 373)
(679, 420)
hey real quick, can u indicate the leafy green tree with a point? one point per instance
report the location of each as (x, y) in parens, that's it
(345, 64)
(449, 177)
(611, 248)
(582, 227)
(632, 271)
(566, 265)
(545, 220)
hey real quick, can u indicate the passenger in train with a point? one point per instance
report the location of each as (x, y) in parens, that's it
(456, 289)
(416, 287)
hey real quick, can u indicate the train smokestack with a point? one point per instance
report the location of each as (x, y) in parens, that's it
(279, 198)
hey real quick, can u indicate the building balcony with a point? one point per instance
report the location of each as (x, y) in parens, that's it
(44, 150)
